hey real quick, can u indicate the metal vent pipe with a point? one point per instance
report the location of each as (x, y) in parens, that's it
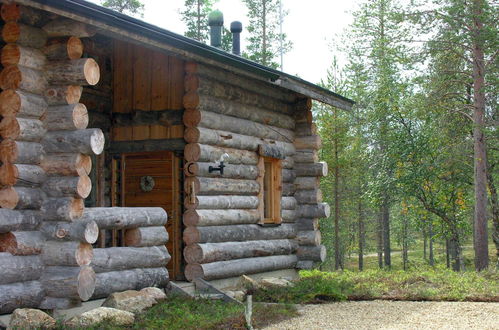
(236, 28)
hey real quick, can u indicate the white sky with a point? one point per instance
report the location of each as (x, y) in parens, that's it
(311, 25)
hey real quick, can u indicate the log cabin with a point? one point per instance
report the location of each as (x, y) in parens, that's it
(131, 156)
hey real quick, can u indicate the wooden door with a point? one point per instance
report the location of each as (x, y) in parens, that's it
(152, 179)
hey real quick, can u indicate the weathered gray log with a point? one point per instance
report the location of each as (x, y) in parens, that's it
(22, 129)
(232, 268)
(139, 117)
(22, 243)
(195, 152)
(308, 142)
(306, 156)
(62, 209)
(212, 252)
(67, 117)
(8, 198)
(29, 198)
(64, 27)
(13, 54)
(68, 186)
(125, 217)
(56, 253)
(308, 196)
(63, 95)
(122, 258)
(305, 264)
(28, 175)
(220, 217)
(222, 202)
(26, 79)
(15, 295)
(13, 12)
(305, 129)
(81, 231)
(18, 220)
(288, 176)
(316, 169)
(22, 104)
(288, 163)
(237, 233)
(132, 279)
(288, 203)
(20, 152)
(83, 71)
(247, 172)
(307, 183)
(232, 140)
(146, 236)
(24, 35)
(86, 141)
(19, 268)
(73, 164)
(66, 48)
(207, 119)
(314, 253)
(268, 150)
(288, 189)
(311, 237)
(304, 224)
(216, 186)
(69, 282)
(52, 303)
(288, 216)
(321, 210)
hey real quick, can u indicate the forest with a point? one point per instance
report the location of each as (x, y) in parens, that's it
(413, 168)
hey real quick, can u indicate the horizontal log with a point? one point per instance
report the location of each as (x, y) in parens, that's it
(306, 224)
(147, 145)
(8, 174)
(24, 35)
(64, 27)
(321, 210)
(22, 243)
(20, 295)
(306, 156)
(19, 268)
(310, 237)
(313, 196)
(18, 220)
(63, 95)
(13, 54)
(21, 175)
(237, 233)
(288, 216)
(220, 217)
(22, 104)
(139, 117)
(29, 198)
(288, 163)
(122, 258)
(288, 203)
(288, 189)
(52, 303)
(231, 140)
(81, 231)
(271, 151)
(207, 119)
(305, 129)
(146, 236)
(132, 279)
(13, 12)
(307, 183)
(125, 217)
(247, 172)
(217, 186)
(83, 71)
(86, 141)
(56, 253)
(238, 267)
(63, 209)
(317, 169)
(8, 198)
(68, 186)
(21, 152)
(22, 129)
(69, 282)
(222, 202)
(308, 142)
(314, 253)
(288, 176)
(67, 117)
(305, 264)
(66, 48)
(212, 252)
(26, 79)
(74, 164)
(195, 152)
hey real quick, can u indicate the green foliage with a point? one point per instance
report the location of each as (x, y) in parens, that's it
(195, 16)
(129, 7)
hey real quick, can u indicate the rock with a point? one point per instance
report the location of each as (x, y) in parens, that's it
(238, 294)
(249, 283)
(27, 318)
(155, 293)
(273, 281)
(130, 301)
(101, 314)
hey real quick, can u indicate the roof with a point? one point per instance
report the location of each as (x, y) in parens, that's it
(133, 25)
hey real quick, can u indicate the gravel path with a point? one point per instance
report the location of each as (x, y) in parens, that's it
(381, 314)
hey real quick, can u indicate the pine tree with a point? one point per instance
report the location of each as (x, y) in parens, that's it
(195, 16)
(130, 7)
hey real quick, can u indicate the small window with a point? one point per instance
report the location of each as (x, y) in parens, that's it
(270, 190)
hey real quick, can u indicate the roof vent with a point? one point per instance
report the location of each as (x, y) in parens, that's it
(236, 28)
(216, 22)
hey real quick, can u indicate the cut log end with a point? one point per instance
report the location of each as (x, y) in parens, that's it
(84, 186)
(91, 72)
(8, 198)
(10, 12)
(91, 233)
(97, 142)
(193, 271)
(86, 282)
(11, 77)
(60, 95)
(84, 254)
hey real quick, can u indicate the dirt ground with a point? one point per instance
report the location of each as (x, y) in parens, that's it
(380, 314)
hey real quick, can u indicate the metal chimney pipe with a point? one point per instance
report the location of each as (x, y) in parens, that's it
(216, 22)
(236, 28)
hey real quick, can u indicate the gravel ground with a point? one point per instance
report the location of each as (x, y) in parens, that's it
(381, 314)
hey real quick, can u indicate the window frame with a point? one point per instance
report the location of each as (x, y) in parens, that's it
(275, 190)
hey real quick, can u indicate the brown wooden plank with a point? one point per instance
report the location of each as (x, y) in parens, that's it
(140, 133)
(176, 83)
(159, 132)
(141, 78)
(160, 81)
(123, 79)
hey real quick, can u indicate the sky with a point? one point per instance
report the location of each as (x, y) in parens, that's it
(311, 25)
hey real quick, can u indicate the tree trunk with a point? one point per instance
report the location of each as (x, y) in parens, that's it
(123, 258)
(432, 258)
(379, 236)
(386, 232)
(362, 233)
